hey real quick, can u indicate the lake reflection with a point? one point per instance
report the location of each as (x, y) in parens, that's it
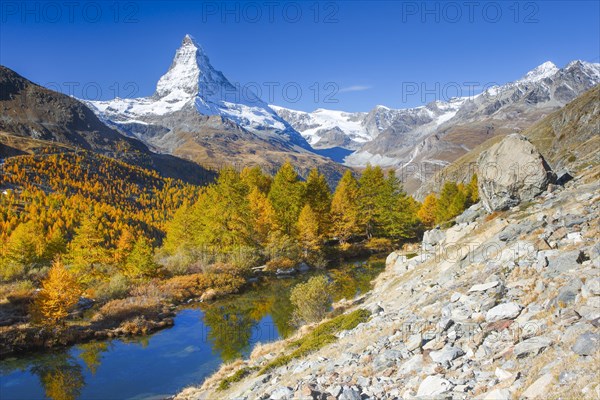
(160, 365)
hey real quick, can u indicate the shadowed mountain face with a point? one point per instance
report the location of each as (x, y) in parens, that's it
(33, 117)
(33, 111)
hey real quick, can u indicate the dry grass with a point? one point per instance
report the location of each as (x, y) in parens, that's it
(184, 287)
(494, 215)
(223, 372)
(145, 301)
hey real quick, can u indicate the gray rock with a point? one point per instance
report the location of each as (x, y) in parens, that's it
(571, 220)
(510, 172)
(521, 250)
(285, 271)
(282, 393)
(568, 293)
(502, 375)
(303, 267)
(363, 381)
(592, 286)
(511, 232)
(589, 313)
(391, 258)
(335, 390)
(349, 394)
(447, 354)
(503, 311)
(470, 214)
(587, 344)
(400, 264)
(539, 388)
(414, 342)
(432, 238)
(565, 261)
(483, 286)
(433, 385)
(415, 363)
(531, 346)
(387, 359)
(375, 308)
(421, 258)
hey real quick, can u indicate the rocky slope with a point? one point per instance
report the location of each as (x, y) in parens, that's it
(499, 306)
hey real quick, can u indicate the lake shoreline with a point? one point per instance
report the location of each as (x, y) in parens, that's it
(26, 338)
(201, 336)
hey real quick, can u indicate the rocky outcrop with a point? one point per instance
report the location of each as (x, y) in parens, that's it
(481, 315)
(510, 172)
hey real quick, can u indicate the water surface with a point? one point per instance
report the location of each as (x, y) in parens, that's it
(160, 365)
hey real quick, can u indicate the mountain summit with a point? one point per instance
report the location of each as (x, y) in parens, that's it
(198, 114)
(192, 83)
(540, 72)
(190, 68)
(192, 75)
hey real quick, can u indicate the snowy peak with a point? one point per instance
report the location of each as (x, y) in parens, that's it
(189, 73)
(590, 69)
(540, 72)
(193, 85)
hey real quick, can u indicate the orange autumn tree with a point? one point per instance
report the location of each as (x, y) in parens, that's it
(59, 294)
(428, 210)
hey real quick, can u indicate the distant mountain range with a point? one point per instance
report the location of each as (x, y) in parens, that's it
(197, 116)
(424, 139)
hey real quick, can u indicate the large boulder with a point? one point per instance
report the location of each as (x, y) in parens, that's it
(510, 172)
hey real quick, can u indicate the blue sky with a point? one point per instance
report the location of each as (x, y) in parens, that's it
(358, 54)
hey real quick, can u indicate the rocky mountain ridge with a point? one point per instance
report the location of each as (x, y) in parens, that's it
(568, 139)
(417, 141)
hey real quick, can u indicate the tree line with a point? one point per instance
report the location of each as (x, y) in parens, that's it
(260, 218)
(107, 226)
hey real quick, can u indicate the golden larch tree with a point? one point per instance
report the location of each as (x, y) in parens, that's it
(58, 296)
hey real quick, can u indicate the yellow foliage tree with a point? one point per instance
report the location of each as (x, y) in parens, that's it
(60, 293)
(124, 246)
(308, 231)
(263, 215)
(427, 211)
(345, 212)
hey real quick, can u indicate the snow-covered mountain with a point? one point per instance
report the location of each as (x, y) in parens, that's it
(331, 128)
(328, 128)
(431, 136)
(192, 83)
(196, 113)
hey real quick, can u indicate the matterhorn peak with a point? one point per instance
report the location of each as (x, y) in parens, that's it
(189, 40)
(189, 72)
(540, 72)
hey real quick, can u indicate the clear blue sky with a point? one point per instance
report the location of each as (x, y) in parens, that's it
(373, 52)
